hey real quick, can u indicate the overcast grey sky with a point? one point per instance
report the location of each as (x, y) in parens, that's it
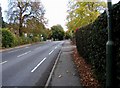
(55, 10)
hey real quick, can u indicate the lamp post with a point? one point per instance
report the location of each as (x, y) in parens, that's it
(109, 49)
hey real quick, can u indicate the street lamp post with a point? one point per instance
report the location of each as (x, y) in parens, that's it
(109, 49)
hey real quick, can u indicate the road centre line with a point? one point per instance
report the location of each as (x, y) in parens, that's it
(56, 47)
(38, 64)
(24, 54)
(3, 62)
(17, 50)
(27, 47)
(12, 51)
(51, 52)
(37, 48)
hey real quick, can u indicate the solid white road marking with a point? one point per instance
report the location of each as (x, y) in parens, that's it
(51, 52)
(23, 54)
(38, 64)
(3, 62)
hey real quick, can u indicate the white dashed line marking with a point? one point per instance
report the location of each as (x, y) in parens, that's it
(17, 50)
(51, 52)
(3, 62)
(23, 54)
(56, 47)
(27, 47)
(37, 48)
(38, 64)
(12, 51)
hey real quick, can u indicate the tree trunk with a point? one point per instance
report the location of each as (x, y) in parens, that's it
(20, 28)
(20, 23)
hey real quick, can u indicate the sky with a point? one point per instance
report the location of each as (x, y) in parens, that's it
(56, 11)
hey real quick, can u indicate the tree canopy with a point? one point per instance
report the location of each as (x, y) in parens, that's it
(20, 11)
(83, 13)
(57, 32)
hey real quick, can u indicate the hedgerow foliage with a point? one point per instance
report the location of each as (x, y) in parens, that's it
(91, 43)
(7, 38)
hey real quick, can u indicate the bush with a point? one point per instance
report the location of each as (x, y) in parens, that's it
(36, 39)
(91, 44)
(7, 38)
(16, 40)
(24, 40)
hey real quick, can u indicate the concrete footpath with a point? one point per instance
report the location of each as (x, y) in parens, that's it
(65, 73)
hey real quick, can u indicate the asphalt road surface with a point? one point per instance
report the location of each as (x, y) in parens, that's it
(29, 65)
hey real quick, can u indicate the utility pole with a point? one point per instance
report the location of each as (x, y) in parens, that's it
(0, 17)
(109, 50)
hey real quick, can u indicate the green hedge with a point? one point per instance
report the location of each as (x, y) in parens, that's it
(7, 38)
(91, 43)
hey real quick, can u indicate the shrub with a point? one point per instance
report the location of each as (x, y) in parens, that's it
(7, 38)
(24, 40)
(91, 44)
(36, 39)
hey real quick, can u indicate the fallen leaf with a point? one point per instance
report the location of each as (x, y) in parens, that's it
(91, 79)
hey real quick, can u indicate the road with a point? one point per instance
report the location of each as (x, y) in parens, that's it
(29, 65)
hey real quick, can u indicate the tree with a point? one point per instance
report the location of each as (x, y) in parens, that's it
(49, 33)
(34, 26)
(83, 13)
(57, 32)
(19, 12)
(67, 35)
(4, 24)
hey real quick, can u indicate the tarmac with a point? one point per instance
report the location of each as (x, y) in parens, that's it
(64, 72)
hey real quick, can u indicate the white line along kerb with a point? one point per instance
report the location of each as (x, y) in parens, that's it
(51, 52)
(23, 54)
(3, 62)
(38, 64)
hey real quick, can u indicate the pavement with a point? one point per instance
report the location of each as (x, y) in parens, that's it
(65, 73)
